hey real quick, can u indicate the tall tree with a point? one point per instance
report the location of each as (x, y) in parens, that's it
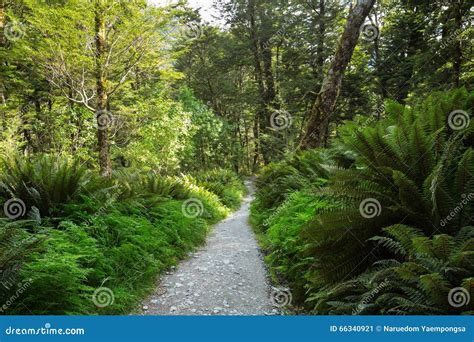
(101, 108)
(320, 114)
(2, 47)
(101, 48)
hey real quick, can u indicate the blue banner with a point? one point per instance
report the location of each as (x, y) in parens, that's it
(245, 329)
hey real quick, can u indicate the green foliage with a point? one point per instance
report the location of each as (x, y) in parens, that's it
(225, 184)
(416, 167)
(43, 182)
(283, 240)
(16, 244)
(403, 164)
(418, 281)
(304, 171)
(180, 108)
(117, 233)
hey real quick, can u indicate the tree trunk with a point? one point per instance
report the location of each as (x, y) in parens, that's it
(2, 46)
(255, 45)
(2, 23)
(321, 38)
(320, 114)
(102, 130)
(457, 50)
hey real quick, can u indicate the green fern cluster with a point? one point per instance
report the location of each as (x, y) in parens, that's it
(91, 232)
(43, 182)
(424, 276)
(414, 167)
(301, 171)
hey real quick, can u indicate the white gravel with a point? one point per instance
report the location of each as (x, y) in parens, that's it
(225, 277)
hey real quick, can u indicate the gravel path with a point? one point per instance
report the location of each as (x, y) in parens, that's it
(225, 277)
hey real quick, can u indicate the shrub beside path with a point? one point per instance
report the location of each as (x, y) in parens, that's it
(225, 277)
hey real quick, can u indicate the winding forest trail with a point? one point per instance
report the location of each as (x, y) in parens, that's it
(225, 277)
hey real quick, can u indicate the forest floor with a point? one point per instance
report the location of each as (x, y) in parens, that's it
(225, 277)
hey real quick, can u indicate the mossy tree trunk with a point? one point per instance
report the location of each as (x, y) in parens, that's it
(317, 129)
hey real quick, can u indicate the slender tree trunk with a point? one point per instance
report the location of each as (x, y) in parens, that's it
(2, 46)
(256, 139)
(321, 38)
(378, 65)
(261, 118)
(320, 114)
(102, 131)
(457, 50)
(2, 23)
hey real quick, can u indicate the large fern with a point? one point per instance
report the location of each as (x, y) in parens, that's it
(415, 166)
(421, 279)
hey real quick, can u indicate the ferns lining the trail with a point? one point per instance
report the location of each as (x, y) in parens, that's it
(91, 232)
(418, 171)
(418, 281)
(415, 169)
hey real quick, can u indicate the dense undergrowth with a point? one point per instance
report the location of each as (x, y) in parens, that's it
(382, 221)
(75, 243)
